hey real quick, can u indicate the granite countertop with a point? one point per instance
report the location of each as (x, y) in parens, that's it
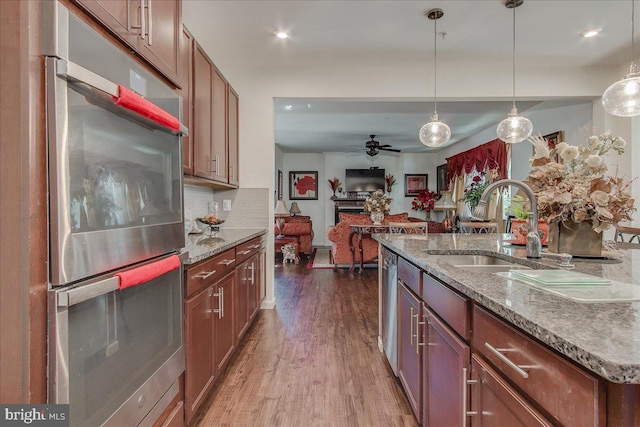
(603, 337)
(203, 246)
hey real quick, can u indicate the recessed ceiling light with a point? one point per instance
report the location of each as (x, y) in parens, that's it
(282, 35)
(590, 33)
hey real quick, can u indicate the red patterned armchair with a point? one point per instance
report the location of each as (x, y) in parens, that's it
(339, 237)
(301, 228)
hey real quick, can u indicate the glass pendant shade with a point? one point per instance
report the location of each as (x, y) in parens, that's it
(622, 98)
(514, 128)
(435, 133)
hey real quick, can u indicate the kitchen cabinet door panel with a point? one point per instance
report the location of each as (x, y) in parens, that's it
(225, 338)
(186, 77)
(219, 144)
(409, 357)
(253, 281)
(161, 44)
(496, 403)
(199, 343)
(445, 363)
(241, 299)
(233, 125)
(202, 110)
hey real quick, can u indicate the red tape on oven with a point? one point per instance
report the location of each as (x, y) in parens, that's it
(147, 272)
(134, 102)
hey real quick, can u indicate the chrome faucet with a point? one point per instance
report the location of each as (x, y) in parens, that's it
(534, 246)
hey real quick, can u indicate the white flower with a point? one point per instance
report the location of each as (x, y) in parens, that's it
(619, 143)
(594, 161)
(570, 153)
(594, 139)
(561, 146)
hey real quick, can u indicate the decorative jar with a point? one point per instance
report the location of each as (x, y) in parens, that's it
(377, 217)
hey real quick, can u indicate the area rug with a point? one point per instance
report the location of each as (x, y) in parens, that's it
(320, 258)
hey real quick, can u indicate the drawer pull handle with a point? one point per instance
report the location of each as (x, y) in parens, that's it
(243, 252)
(254, 246)
(498, 353)
(227, 261)
(204, 274)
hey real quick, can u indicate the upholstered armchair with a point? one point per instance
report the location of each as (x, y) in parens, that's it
(339, 237)
(301, 228)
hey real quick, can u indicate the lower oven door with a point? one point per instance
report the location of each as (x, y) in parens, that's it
(115, 353)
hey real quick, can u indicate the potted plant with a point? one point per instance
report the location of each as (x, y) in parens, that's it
(519, 208)
(424, 201)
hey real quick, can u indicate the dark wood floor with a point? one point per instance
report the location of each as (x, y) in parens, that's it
(314, 360)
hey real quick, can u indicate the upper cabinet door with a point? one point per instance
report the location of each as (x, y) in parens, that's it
(160, 43)
(202, 112)
(122, 17)
(186, 77)
(232, 114)
(219, 127)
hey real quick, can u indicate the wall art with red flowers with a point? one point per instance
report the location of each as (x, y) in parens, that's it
(303, 185)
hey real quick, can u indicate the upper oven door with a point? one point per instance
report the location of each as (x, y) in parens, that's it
(115, 178)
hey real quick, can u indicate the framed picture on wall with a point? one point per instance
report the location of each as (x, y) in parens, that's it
(280, 179)
(414, 183)
(441, 175)
(303, 185)
(554, 138)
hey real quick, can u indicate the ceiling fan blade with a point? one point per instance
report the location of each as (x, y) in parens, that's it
(384, 146)
(389, 149)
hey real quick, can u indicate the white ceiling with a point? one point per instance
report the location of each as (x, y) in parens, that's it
(240, 34)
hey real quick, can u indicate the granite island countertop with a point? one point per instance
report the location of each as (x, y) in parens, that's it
(203, 246)
(603, 337)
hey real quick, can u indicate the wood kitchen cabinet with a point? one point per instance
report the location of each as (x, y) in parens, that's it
(243, 277)
(445, 365)
(256, 275)
(152, 28)
(225, 337)
(186, 58)
(199, 343)
(496, 403)
(233, 141)
(202, 111)
(219, 146)
(409, 349)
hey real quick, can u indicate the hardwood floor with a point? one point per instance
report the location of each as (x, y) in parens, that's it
(313, 361)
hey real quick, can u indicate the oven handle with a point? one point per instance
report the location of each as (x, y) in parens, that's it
(73, 71)
(83, 293)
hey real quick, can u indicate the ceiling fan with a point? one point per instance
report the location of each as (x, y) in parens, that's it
(373, 147)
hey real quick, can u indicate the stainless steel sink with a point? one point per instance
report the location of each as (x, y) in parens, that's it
(481, 263)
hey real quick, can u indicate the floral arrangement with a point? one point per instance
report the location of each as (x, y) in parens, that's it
(390, 180)
(424, 201)
(473, 192)
(334, 184)
(377, 202)
(578, 189)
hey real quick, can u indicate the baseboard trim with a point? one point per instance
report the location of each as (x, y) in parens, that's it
(380, 346)
(268, 304)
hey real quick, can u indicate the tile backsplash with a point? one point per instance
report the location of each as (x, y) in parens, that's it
(249, 206)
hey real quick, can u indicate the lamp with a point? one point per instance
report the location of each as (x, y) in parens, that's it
(294, 209)
(622, 98)
(514, 128)
(280, 212)
(435, 133)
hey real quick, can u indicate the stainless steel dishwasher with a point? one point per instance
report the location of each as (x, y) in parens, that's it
(390, 307)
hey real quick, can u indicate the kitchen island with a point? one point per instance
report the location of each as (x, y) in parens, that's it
(603, 338)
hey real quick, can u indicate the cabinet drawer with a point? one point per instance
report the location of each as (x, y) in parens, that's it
(207, 272)
(409, 274)
(452, 307)
(247, 249)
(570, 395)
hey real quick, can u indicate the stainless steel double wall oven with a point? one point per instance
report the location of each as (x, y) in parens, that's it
(115, 182)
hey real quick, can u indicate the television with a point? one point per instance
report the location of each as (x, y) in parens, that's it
(364, 179)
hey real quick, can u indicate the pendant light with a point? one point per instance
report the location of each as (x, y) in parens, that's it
(622, 98)
(514, 128)
(435, 133)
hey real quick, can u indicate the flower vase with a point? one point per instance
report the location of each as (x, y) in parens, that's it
(575, 238)
(520, 229)
(377, 217)
(427, 215)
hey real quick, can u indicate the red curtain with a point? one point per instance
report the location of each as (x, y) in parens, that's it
(492, 155)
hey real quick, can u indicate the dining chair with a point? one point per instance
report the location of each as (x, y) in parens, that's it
(409, 228)
(631, 232)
